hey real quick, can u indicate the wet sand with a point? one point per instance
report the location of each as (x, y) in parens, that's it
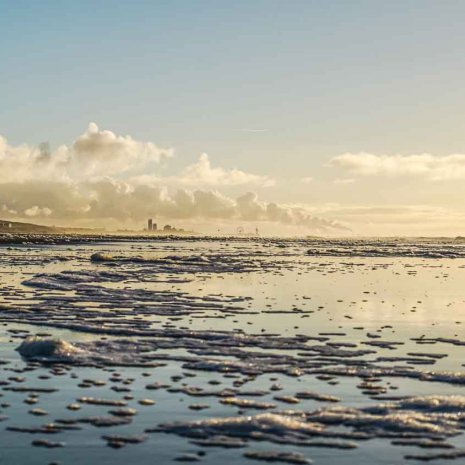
(241, 350)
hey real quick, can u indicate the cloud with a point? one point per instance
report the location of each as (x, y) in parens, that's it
(95, 153)
(37, 211)
(103, 153)
(395, 219)
(307, 180)
(426, 166)
(249, 207)
(342, 181)
(102, 177)
(116, 200)
(202, 173)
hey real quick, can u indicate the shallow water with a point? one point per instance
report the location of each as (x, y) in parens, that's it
(263, 319)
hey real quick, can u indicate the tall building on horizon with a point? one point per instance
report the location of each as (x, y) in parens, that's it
(150, 224)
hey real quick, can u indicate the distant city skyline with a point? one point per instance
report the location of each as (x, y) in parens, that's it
(294, 117)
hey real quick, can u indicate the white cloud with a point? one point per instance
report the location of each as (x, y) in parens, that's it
(426, 166)
(102, 176)
(110, 199)
(37, 211)
(203, 174)
(95, 153)
(249, 207)
(307, 180)
(99, 153)
(103, 153)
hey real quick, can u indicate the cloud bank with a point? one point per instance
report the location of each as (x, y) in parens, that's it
(103, 176)
(398, 219)
(426, 166)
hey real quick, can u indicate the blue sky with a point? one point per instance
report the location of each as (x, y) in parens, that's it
(322, 78)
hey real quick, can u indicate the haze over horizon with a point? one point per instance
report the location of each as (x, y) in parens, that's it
(297, 118)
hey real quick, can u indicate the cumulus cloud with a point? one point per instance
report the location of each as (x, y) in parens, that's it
(103, 153)
(426, 166)
(110, 199)
(249, 207)
(202, 173)
(103, 176)
(37, 211)
(95, 153)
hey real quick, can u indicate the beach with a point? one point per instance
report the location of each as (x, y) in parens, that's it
(232, 349)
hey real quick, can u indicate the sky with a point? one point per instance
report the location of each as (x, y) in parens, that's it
(296, 117)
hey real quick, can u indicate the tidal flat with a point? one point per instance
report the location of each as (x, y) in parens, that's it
(234, 350)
